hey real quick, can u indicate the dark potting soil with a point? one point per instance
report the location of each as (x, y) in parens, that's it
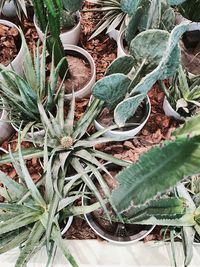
(106, 118)
(80, 74)
(10, 43)
(190, 58)
(118, 231)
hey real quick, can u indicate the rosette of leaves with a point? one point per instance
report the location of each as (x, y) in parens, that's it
(69, 145)
(21, 94)
(34, 215)
(183, 93)
(134, 16)
(154, 55)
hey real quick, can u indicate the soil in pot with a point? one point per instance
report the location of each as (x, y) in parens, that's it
(80, 72)
(113, 231)
(10, 44)
(106, 118)
(190, 52)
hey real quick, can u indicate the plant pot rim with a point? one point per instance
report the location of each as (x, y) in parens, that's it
(68, 224)
(88, 217)
(78, 14)
(10, 24)
(124, 133)
(92, 79)
(170, 112)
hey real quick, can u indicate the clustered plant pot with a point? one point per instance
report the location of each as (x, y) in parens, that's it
(170, 112)
(129, 134)
(17, 63)
(6, 129)
(69, 37)
(86, 90)
(117, 233)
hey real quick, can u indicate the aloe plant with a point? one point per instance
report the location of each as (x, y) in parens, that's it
(48, 14)
(183, 93)
(136, 16)
(154, 55)
(21, 94)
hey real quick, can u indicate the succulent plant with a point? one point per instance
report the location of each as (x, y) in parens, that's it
(136, 16)
(20, 94)
(183, 93)
(154, 55)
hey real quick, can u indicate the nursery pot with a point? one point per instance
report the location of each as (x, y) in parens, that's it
(81, 53)
(6, 129)
(9, 9)
(117, 233)
(69, 37)
(170, 112)
(17, 63)
(119, 135)
(121, 51)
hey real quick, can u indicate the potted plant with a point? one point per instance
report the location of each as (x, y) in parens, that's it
(79, 59)
(182, 97)
(147, 15)
(115, 232)
(129, 78)
(70, 22)
(20, 94)
(187, 11)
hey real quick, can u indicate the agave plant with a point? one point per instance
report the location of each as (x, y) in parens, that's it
(20, 6)
(48, 14)
(21, 94)
(184, 93)
(70, 145)
(153, 54)
(33, 215)
(136, 16)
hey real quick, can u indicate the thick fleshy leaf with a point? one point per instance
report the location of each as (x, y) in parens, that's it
(156, 171)
(112, 89)
(121, 65)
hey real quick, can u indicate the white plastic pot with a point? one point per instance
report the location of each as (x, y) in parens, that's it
(9, 9)
(120, 45)
(6, 129)
(67, 226)
(114, 34)
(69, 37)
(86, 90)
(122, 234)
(35, 134)
(17, 63)
(125, 135)
(170, 112)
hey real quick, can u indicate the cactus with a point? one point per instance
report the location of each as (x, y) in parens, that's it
(48, 13)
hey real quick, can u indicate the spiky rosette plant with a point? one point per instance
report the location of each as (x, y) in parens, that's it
(69, 144)
(32, 215)
(21, 93)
